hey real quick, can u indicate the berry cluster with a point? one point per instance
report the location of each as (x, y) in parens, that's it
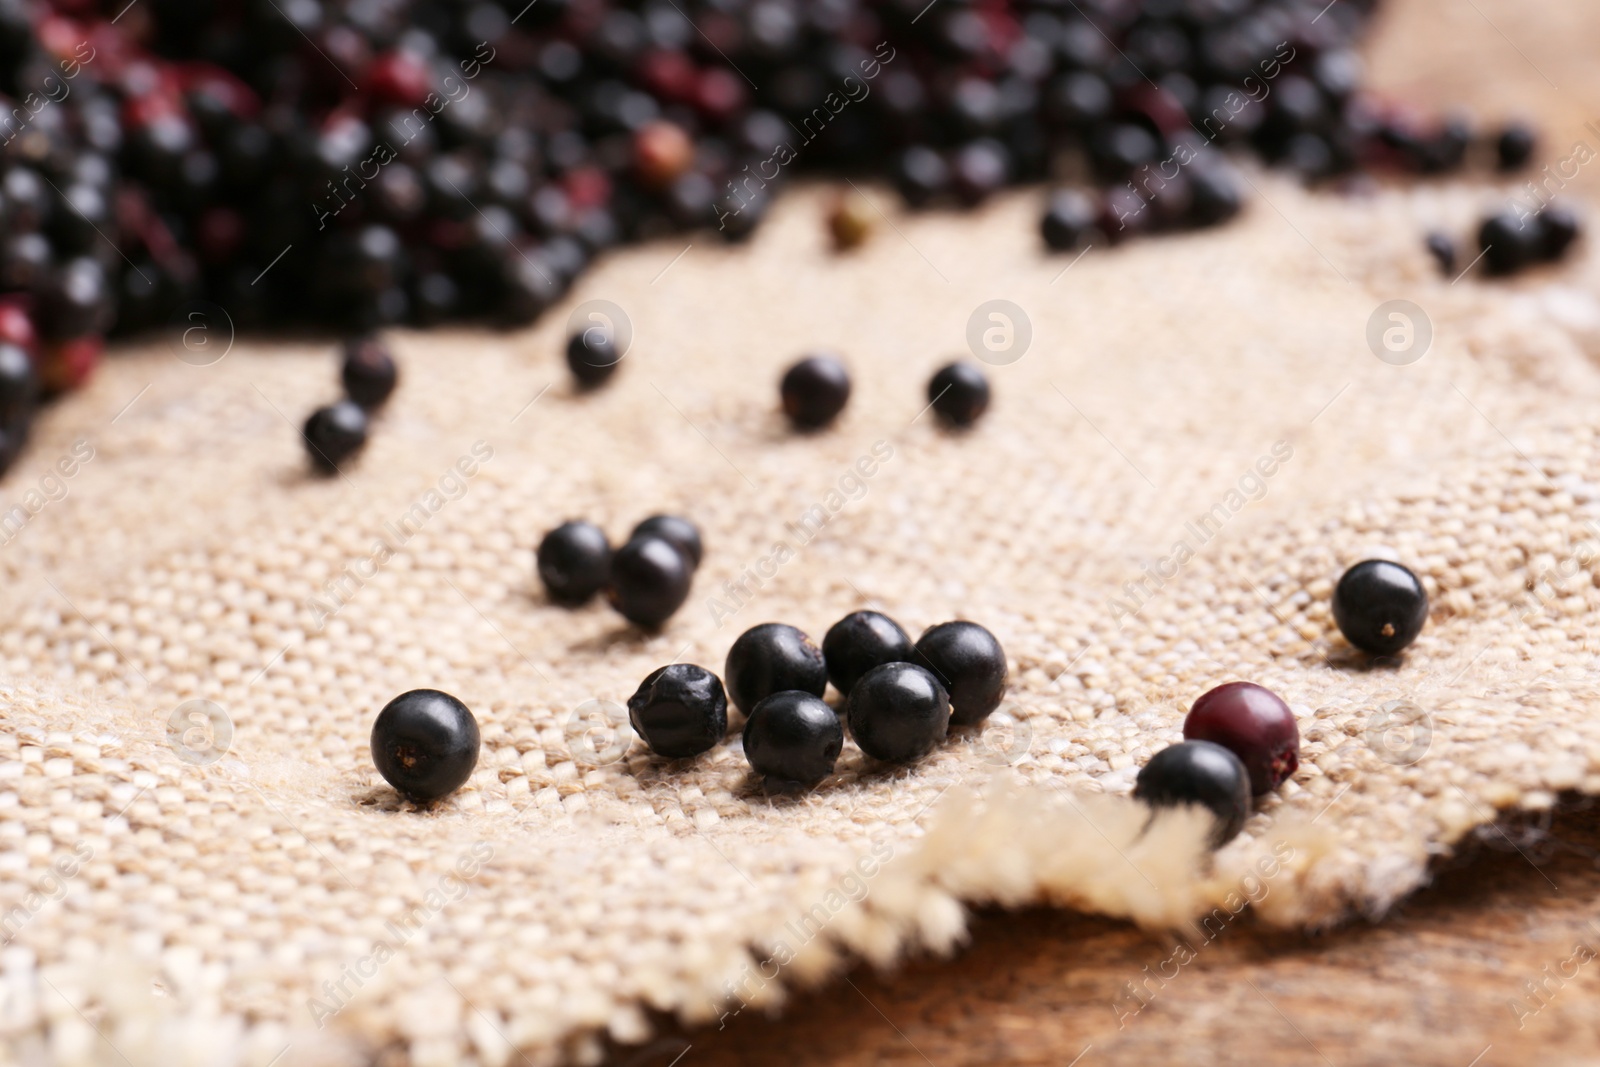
(646, 580)
(338, 431)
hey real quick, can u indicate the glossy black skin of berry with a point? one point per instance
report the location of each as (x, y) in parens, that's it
(898, 712)
(1443, 251)
(1380, 606)
(1254, 724)
(1214, 196)
(333, 434)
(859, 642)
(968, 661)
(771, 658)
(1558, 228)
(369, 373)
(425, 743)
(1508, 243)
(1515, 146)
(1199, 772)
(650, 580)
(592, 358)
(959, 393)
(792, 738)
(574, 561)
(814, 391)
(678, 530)
(679, 710)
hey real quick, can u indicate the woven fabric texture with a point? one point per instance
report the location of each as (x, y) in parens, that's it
(1195, 443)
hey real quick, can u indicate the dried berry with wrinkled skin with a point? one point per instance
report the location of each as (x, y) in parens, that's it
(679, 710)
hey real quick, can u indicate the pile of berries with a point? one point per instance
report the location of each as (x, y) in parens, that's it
(357, 165)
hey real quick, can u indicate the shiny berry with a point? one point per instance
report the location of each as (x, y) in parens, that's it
(1254, 724)
(19, 385)
(679, 710)
(898, 712)
(1380, 606)
(369, 372)
(771, 658)
(678, 530)
(425, 743)
(335, 433)
(792, 738)
(592, 356)
(1558, 228)
(969, 662)
(574, 561)
(1508, 243)
(814, 391)
(650, 580)
(859, 642)
(1203, 773)
(662, 152)
(959, 393)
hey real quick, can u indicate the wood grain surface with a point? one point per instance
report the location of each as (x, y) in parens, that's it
(1494, 964)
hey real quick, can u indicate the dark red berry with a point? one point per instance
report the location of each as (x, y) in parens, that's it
(1254, 724)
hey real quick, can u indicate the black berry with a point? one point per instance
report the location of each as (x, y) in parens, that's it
(335, 433)
(574, 561)
(969, 662)
(1069, 220)
(1558, 228)
(814, 391)
(425, 743)
(859, 642)
(680, 710)
(592, 356)
(792, 738)
(1254, 724)
(1199, 772)
(1515, 145)
(771, 658)
(369, 372)
(19, 385)
(898, 712)
(680, 531)
(1380, 606)
(959, 393)
(650, 580)
(1508, 243)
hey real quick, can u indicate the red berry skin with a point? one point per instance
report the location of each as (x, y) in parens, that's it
(1254, 724)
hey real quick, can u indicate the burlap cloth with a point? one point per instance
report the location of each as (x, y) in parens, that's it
(280, 904)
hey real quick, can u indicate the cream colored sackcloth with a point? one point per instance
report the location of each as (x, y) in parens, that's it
(163, 910)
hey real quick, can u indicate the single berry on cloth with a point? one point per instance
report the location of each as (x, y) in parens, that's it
(1380, 606)
(1203, 773)
(592, 357)
(792, 737)
(771, 658)
(1069, 220)
(679, 710)
(369, 372)
(959, 393)
(968, 661)
(1507, 243)
(898, 712)
(1254, 724)
(859, 642)
(335, 433)
(425, 743)
(1515, 145)
(1558, 228)
(678, 530)
(814, 391)
(574, 561)
(650, 580)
